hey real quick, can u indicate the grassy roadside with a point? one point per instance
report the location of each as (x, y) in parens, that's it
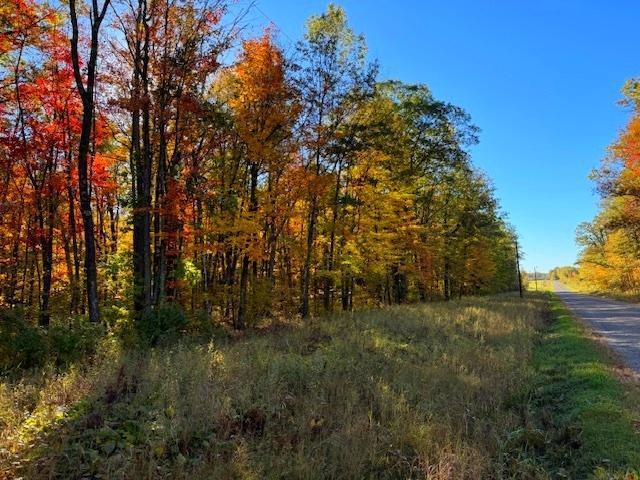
(534, 286)
(588, 414)
(480, 388)
(583, 286)
(416, 391)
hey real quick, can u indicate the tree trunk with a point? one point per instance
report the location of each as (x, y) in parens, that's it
(306, 268)
(145, 176)
(447, 280)
(160, 243)
(328, 281)
(399, 284)
(90, 268)
(13, 277)
(47, 264)
(240, 320)
(244, 274)
(141, 169)
(86, 94)
(345, 288)
(67, 258)
(75, 283)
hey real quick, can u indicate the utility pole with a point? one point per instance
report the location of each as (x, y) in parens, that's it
(535, 277)
(518, 267)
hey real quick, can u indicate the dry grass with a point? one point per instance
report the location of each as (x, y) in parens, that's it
(583, 285)
(406, 392)
(539, 286)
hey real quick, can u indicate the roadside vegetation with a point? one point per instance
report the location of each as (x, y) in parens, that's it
(539, 285)
(579, 280)
(403, 392)
(224, 258)
(608, 262)
(583, 403)
(488, 387)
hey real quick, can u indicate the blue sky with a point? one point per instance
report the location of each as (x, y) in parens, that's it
(541, 78)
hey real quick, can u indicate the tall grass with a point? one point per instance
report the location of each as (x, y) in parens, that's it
(406, 392)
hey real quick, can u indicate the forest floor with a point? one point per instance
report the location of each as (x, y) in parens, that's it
(480, 388)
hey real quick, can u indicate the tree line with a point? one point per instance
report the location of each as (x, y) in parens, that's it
(152, 153)
(610, 243)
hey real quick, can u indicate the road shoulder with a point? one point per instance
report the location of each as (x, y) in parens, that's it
(588, 410)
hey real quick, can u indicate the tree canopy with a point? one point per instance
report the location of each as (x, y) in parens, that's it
(167, 159)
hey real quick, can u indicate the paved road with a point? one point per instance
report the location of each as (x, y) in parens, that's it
(617, 322)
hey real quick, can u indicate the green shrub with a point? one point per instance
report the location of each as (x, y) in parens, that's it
(21, 343)
(260, 301)
(73, 341)
(25, 345)
(201, 325)
(162, 323)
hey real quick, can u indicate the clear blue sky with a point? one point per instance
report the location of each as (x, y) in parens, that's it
(541, 78)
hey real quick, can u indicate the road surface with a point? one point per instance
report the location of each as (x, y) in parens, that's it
(617, 322)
